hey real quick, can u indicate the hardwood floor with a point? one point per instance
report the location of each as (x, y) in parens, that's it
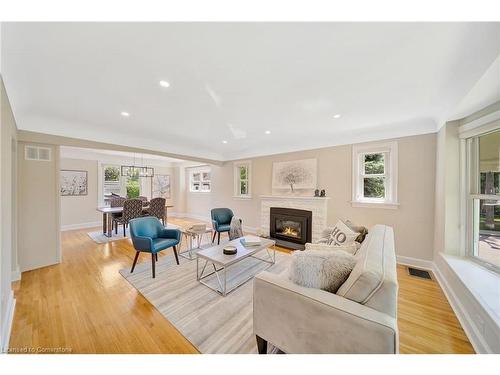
(83, 305)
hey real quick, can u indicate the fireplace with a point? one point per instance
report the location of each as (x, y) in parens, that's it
(290, 227)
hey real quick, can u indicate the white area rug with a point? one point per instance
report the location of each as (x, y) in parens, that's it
(99, 237)
(212, 323)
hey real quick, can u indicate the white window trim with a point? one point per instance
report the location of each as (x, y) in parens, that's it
(391, 175)
(236, 178)
(200, 170)
(467, 196)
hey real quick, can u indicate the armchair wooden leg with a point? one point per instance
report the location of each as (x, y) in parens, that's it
(261, 345)
(156, 256)
(218, 238)
(135, 261)
(176, 256)
(153, 264)
(213, 238)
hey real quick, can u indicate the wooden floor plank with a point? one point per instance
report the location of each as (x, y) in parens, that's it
(83, 304)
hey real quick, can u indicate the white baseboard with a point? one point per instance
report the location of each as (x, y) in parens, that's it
(415, 262)
(7, 323)
(16, 274)
(81, 225)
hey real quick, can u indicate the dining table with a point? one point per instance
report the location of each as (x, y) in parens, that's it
(107, 217)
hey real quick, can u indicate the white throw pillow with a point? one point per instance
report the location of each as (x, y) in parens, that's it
(339, 235)
(326, 270)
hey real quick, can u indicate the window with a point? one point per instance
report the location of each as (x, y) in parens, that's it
(242, 182)
(483, 197)
(199, 180)
(374, 179)
(112, 184)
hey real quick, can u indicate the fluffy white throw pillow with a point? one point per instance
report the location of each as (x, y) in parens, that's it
(350, 248)
(326, 270)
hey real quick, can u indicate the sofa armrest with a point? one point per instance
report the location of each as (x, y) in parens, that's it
(306, 320)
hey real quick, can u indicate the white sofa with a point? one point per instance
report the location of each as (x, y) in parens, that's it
(359, 318)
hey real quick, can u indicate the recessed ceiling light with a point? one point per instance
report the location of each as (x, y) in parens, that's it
(336, 116)
(268, 132)
(125, 114)
(224, 142)
(164, 84)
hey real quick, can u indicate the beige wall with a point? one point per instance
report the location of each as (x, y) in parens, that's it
(80, 210)
(413, 220)
(8, 199)
(39, 210)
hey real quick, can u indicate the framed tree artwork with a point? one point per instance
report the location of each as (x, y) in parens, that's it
(297, 174)
(160, 187)
(74, 183)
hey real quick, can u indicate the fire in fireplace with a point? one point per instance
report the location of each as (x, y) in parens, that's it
(291, 227)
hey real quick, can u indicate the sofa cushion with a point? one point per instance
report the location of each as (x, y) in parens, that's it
(325, 270)
(351, 248)
(373, 280)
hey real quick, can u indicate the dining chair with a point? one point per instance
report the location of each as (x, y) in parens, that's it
(221, 221)
(143, 199)
(157, 208)
(132, 208)
(116, 201)
(150, 236)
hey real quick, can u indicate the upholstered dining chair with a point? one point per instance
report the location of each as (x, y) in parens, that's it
(221, 221)
(149, 236)
(132, 208)
(116, 201)
(157, 208)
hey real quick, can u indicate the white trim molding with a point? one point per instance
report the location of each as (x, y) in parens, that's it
(92, 224)
(7, 323)
(390, 175)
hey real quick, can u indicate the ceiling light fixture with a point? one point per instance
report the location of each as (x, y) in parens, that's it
(164, 84)
(225, 142)
(125, 114)
(336, 116)
(268, 132)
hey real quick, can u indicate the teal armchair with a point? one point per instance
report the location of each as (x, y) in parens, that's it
(221, 221)
(150, 236)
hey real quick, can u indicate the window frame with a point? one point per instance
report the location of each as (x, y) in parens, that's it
(200, 170)
(237, 179)
(390, 151)
(470, 188)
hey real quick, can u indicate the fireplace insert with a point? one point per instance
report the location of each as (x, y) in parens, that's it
(290, 227)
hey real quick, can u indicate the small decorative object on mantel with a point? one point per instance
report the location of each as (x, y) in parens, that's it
(230, 250)
(323, 193)
(316, 193)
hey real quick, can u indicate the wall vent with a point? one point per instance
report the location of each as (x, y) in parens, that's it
(37, 153)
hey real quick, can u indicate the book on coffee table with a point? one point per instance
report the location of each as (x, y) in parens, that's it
(250, 241)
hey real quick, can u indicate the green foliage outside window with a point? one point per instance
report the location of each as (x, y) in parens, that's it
(111, 174)
(133, 185)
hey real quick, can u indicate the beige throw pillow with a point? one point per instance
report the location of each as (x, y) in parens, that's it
(326, 270)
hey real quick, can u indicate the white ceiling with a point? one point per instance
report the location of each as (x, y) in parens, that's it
(234, 81)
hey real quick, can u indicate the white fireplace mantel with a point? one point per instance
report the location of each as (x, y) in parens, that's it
(317, 205)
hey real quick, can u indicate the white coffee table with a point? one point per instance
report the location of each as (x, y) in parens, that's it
(220, 262)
